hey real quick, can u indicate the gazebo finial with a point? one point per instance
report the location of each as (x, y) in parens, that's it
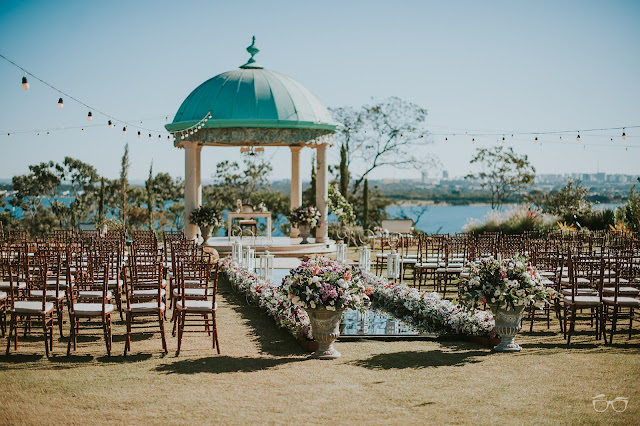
(253, 51)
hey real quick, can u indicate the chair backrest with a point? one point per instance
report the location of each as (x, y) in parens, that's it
(96, 279)
(197, 271)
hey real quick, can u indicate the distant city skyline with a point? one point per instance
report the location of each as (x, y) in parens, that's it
(496, 67)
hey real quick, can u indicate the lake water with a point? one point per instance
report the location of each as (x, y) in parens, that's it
(437, 219)
(451, 219)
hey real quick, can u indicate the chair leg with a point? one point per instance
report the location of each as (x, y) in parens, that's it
(11, 331)
(72, 336)
(533, 315)
(614, 322)
(60, 319)
(180, 324)
(164, 340)
(46, 337)
(127, 341)
(573, 324)
(630, 322)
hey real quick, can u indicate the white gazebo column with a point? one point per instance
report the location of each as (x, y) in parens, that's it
(198, 176)
(191, 186)
(322, 192)
(296, 184)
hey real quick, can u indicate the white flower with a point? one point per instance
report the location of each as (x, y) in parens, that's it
(312, 304)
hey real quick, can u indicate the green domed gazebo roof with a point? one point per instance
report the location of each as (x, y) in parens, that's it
(252, 97)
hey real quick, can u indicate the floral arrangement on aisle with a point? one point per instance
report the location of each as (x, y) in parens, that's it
(305, 216)
(427, 312)
(507, 283)
(324, 283)
(268, 296)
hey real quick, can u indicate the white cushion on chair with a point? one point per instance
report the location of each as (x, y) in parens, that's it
(190, 292)
(3, 295)
(197, 305)
(582, 300)
(579, 280)
(51, 294)
(114, 283)
(622, 301)
(580, 292)
(612, 280)
(626, 291)
(6, 285)
(146, 307)
(151, 292)
(91, 294)
(29, 307)
(91, 309)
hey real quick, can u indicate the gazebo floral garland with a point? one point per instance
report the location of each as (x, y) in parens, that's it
(427, 312)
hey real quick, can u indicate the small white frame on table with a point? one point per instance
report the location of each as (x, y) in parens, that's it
(248, 215)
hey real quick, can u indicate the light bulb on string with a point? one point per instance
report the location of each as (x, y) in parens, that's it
(166, 119)
(578, 138)
(159, 137)
(60, 104)
(89, 116)
(25, 83)
(611, 139)
(536, 140)
(446, 140)
(139, 134)
(38, 134)
(560, 137)
(624, 135)
(82, 130)
(149, 136)
(47, 133)
(8, 135)
(473, 140)
(124, 130)
(168, 138)
(110, 124)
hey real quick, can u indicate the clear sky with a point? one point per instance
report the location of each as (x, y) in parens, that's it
(494, 66)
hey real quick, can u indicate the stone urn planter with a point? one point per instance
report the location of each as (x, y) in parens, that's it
(206, 233)
(305, 231)
(508, 323)
(325, 328)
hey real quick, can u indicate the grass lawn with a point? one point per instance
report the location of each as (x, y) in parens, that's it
(262, 376)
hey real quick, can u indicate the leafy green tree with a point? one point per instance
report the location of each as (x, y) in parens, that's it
(629, 214)
(503, 172)
(568, 201)
(150, 199)
(344, 172)
(382, 134)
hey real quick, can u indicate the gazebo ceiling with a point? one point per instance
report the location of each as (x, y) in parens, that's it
(252, 105)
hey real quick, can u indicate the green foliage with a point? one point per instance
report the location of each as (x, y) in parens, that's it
(568, 201)
(339, 206)
(594, 220)
(344, 172)
(629, 214)
(502, 171)
(124, 183)
(205, 216)
(513, 221)
(376, 208)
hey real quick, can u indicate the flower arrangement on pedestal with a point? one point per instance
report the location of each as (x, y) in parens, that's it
(325, 288)
(305, 216)
(206, 218)
(507, 286)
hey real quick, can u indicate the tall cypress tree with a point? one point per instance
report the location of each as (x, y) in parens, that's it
(101, 201)
(313, 181)
(344, 172)
(150, 198)
(124, 183)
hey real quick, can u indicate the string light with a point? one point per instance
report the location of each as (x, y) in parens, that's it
(149, 136)
(8, 135)
(124, 130)
(25, 83)
(578, 138)
(159, 137)
(473, 140)
(503, 139)
(82, 130)
(536, 141)
(60, 104)
(47, 133)
(139, 134)
(446, 140)
(110, 124)
(624, 135)
(89, 116)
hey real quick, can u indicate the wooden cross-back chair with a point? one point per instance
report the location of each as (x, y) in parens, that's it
(35, 275)
(97, 307)
(197, 314)
(145, 299)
